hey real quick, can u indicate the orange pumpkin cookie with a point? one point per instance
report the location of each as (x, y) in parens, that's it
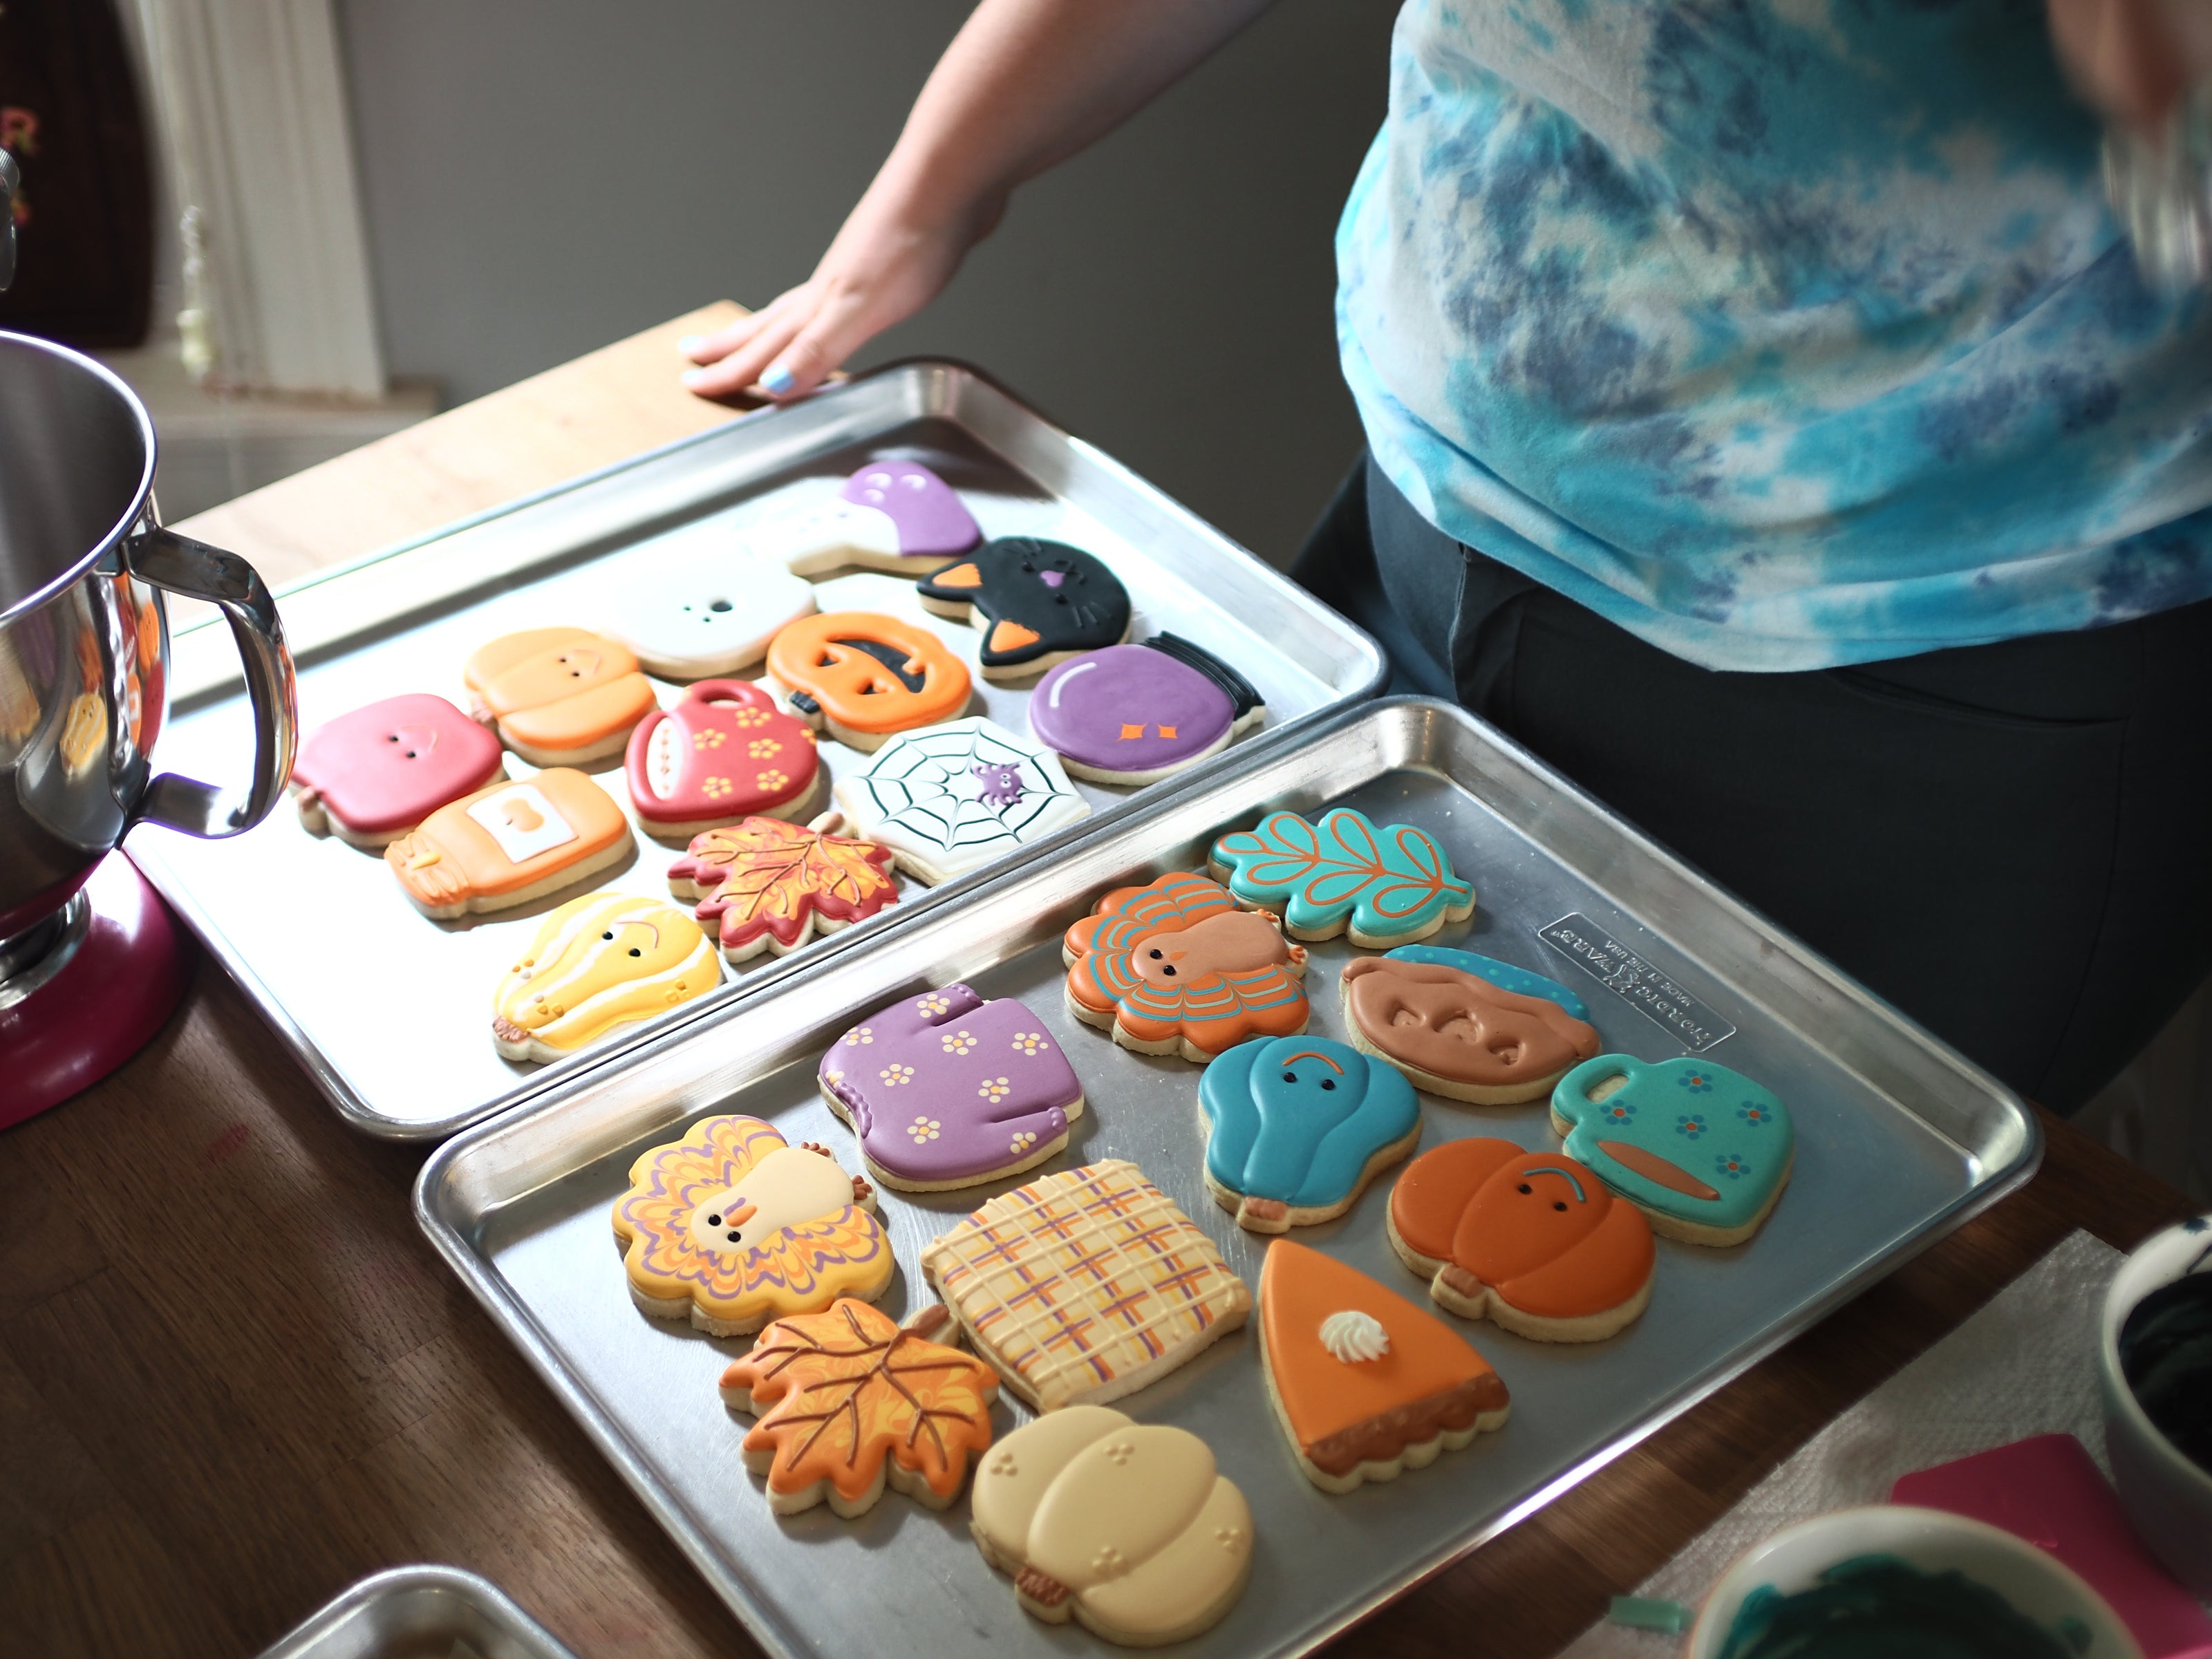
(509, 844)
(1178, 968)
(734, 1227)
(1530, 1241)
(866, 676)
(849, 1401)
(559, 696)
(1366, 1383)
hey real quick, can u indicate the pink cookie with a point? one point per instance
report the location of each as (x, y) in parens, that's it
(373, 775)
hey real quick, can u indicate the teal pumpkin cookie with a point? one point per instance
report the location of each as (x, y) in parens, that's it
(1388, 885)
(1702, 1151)
(1297, 1127)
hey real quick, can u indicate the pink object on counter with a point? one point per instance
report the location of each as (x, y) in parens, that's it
(2046, 1490)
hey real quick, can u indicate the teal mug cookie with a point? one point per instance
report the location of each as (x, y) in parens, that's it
(1702, 1151)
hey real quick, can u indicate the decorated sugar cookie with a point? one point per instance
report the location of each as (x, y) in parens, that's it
(866, 676)
(1127, 1528)
(950, 798)
(732, 1227)
(1366, 1383)
(725, 751)
(849, 1401)
(695, 611)
(946, 1089)
(1297, 1128)
(372, 775)
(559, 696)
(891, 515)
(1387, 885)
(1084, 1285)
(1175, 968)
(765, 884)
(1037, 603)
(599, 963)
(1530, 1241)
(1701, 1149)
(1136, 714)
(1455, 1031)
(509, 844)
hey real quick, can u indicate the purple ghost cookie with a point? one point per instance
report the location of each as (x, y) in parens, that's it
(946, 1089)
(891, 515)
(1132, 714)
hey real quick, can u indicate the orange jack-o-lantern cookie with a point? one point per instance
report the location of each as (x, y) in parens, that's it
(559, 696)
(511, 843)
(866, 676)
(1530, 1241)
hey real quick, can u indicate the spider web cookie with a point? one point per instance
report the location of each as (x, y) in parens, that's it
(1086, 1286)
(950, 798)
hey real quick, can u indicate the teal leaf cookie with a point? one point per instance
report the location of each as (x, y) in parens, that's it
(1701, 1149)
(1387, 886)
(1297, 1127)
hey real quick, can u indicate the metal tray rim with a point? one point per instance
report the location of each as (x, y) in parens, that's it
(435, 1198)
(305, 1639)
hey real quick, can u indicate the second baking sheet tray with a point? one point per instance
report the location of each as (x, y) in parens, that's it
(1898, 1139)
(420, 1612)
(391, 1012)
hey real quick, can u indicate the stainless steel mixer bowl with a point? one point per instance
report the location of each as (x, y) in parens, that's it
(84, 639)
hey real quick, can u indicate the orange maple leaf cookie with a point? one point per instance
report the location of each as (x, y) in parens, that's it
(1178, 968)
(765, 884)
(559, 696)
(1530, 1241)
(849, 1399)
(733, 1227)
(1366, 1383)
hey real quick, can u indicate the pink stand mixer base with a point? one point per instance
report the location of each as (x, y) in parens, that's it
(104, 1006)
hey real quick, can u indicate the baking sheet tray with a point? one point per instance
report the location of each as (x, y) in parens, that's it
(421, 1613)
(1899, 1140)
(390, 1011)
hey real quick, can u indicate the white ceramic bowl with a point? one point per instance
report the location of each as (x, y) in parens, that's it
(2167, 1498)
(1793, 1559)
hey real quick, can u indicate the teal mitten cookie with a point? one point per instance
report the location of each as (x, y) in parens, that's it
(1387, 885)
(1297, 1127)
(1702, 1151)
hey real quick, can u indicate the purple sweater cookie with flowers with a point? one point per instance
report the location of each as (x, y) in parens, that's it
(945, 1088)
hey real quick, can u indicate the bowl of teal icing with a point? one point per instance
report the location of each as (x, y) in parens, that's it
(1892, 1581)
(2154, 1372)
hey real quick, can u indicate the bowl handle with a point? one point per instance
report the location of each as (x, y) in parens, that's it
(184, 565)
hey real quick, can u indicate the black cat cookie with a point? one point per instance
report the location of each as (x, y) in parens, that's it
(1037, 603)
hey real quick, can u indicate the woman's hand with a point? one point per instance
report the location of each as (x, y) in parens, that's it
(1024, 85)
(2133, 60)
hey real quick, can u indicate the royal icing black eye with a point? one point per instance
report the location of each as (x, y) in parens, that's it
(1168, 970)
(731, 1235)
(1525, 1188)
(1559, 1204)
(634, 952)
(1289, 1076)
(609, 937)
(1155, 956)
(714, 1221)
(1328, 1082)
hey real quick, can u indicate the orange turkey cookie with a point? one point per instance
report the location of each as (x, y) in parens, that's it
(866, 676)
(850, 1401)
(1366, 1383)
(559, 696)
(1178, 968)
(1530, 1241)
(733, 1227)
(509, 844)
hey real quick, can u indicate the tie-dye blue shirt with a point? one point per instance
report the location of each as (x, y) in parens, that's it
(1784, 333)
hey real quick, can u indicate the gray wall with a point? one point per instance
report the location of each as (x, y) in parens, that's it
(542, 176)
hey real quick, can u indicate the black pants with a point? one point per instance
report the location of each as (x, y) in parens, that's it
(2010, 842)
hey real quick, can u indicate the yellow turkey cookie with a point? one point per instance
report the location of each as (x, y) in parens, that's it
(732, 1226)
(599, 962)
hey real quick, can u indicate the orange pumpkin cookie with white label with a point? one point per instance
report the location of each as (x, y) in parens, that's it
(1366, 1383)
(559, 696)
(509, 844)
(866, 676)
(1530, 1241)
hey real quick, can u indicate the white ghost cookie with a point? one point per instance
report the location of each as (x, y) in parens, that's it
(694, 612)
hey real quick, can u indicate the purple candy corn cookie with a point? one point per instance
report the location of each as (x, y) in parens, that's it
(946, 1089)
(1132, 714)
(891, 515)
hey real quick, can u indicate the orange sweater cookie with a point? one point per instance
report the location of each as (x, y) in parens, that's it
(560, 697)
(1530, 1241)
(509, 844)
(1365, 1382)
(866, 676)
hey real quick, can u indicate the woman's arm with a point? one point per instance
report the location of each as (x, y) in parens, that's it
(1024, 85)
(2133, 59)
